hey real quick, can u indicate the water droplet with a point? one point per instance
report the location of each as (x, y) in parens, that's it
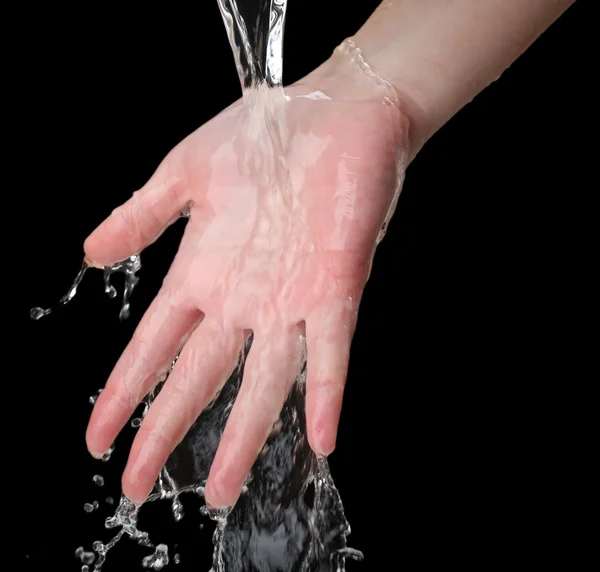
(98, 480)
(88, 507)
(95, 504)
(97, 546)
(177, 509)
(110, 500)
(107, 455)
(136, 422)
(159, 559)
(94, 398)
(177, 559)
(84, 557)
(109, 289)
(124, 313)
(37, 313)
(85, 568)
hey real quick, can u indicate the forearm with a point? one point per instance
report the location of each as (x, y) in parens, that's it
(441, 53)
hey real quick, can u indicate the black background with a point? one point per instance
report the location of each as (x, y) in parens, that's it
(454, 319)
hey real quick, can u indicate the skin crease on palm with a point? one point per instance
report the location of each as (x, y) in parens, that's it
(287, 197)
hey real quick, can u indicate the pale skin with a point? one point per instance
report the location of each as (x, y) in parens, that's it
(287, 256)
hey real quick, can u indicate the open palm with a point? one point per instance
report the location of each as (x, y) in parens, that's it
(287, 198)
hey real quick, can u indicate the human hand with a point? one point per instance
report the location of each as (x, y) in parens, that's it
(287, 199)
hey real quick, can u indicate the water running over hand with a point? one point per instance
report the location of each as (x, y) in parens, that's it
(290, 515)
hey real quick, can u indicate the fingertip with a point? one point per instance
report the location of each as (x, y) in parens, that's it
(95, 454)
(93, 443)
(323, 410)
(136, 496)
(146, 459)
(96, 442)
(89, 244)
(96, 247)
(136, 487)
(219, 495)
(99, 434)
(95, 446)
(322, 440)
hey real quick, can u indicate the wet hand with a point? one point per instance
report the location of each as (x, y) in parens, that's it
(287, 198)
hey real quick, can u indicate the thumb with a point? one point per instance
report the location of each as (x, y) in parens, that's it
(142, 219)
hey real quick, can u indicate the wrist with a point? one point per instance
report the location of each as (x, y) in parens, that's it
(440, 55)
(348, 76)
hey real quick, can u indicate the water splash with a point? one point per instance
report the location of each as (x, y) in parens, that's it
(290, 515)
(37, 312)
(128, 267)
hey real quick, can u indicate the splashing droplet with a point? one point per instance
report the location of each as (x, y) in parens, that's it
(93, 398)
(87, 557)
(109, 289)
(98, 480)
(128, 267)
(159, 559)
(106, 457)
(37, 313)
